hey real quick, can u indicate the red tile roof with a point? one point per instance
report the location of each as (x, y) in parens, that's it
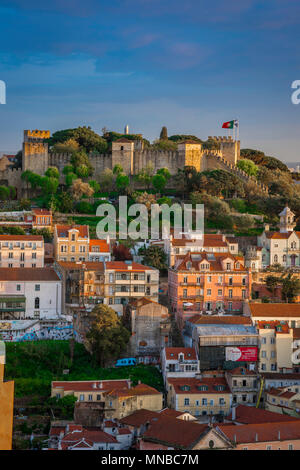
(21, 238)
(122, 266)
(174, 432)
(241, 371)
(139, 418)
(262, 432)
(141, 389)
(89, 437)
(173, 353)
(250, 415)
(280, 327)
(171, 412)
(223, 319)
(101, 244)
(214, 260)
(86, 265)
(89, 385)
(274, 310)
(28, 274)
(63, 230)
(194, 384)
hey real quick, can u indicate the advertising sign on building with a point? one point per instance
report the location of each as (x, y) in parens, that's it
(241, 353)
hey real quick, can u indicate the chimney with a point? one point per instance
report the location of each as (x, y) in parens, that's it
(256, 437)
(233, 414)
(279, 435)
(234, 438)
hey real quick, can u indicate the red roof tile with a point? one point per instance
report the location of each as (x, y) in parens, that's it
(250, 415)
(173, 353)
(28, 274)
(63, 230)
(194, 384)
(262, 432)
(274, 310)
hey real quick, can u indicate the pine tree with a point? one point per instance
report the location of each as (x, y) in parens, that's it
(164, 133)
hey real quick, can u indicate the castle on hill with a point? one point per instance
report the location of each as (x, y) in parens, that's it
(131, 155)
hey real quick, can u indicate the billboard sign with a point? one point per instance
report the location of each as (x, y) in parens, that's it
(241, 353)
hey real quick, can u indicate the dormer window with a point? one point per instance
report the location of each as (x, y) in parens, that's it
(228, 266)
(181, 357)
(219, 388)
(189, 265)
(202, 388)
(185, 388)
(237, 265)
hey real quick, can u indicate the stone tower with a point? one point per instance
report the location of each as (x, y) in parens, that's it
(35, 151)
(122, 154)
(287, 223)
(230, 149)
(190, 154)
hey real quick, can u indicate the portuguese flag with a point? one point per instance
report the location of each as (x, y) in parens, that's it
(230, 124)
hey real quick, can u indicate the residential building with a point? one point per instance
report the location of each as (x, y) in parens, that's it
(177, 248)
(99, 250)
(33, 219)
(226, 346)
(170, 433)
(206, 396)
(208, 282)
(286, 312)
(71, 242)
(244, 385)
(77, 437)
(114, 283)
(6, 405)
(179, 362)
(263, 436)
(120, 403)
(149, 323)
(281, 247)
(21, 251)
(30, 293)
(276, 379)
(284, 400)
(245, 414)
(276, 341)
(115, 398)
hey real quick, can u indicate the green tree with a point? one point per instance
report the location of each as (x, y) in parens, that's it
(49, 185)
(68, 169)
(70, 177)
(122, 182)
(154, 256)
(4, 193)
(164, 172)
(248, 166)
(145, 175)
(290, 288)
(118, 169)
(85, 137)
(65, 202)
(159, 182)
(94, 185)
(52, 172)
(272, 283)
(80, 158)
(107, 337)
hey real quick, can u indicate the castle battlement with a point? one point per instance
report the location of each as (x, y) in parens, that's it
(35, 134)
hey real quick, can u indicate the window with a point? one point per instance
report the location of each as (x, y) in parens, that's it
(90, 397)
(81, 397)
(37, 302)
(290, 447)
(18, 287)
(204, 401)
(186, 401)
(98, 397)
(33, 255)
(37, 287)
(269, 448)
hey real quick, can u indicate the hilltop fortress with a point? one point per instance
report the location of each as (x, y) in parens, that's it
(131, 155)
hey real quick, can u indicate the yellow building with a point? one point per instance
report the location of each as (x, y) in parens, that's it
(199, 396)
(284, 400)
(118, 397)
(276, 338)
(71, 242)
(6, 405)
(121, 403)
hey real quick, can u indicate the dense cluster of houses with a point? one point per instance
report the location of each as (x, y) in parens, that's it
(239, 354)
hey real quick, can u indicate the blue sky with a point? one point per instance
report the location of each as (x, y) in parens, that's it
(189, 65)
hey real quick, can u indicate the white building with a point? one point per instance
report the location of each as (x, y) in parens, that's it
(21, 251)
(30, 293)
(179, 362)
(281, 247)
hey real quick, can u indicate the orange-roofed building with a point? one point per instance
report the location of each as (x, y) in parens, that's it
(213, 282)
(284, 400)
(99, 250)
(179, 362)
(71, 242)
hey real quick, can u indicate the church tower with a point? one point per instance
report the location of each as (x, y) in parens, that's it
(287, 223)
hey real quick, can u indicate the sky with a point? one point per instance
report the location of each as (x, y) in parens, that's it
(189, 65)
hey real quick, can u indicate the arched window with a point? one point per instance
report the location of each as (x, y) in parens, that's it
(284, 258)
(37, 302)
(275, 259)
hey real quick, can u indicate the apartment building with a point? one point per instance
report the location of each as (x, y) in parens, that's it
(34, 219)
(71, 242)
(244, 385)
(114, 283)
(117, 398)
(21, 251)
(6, 405)
(284, 400)
(289, 313)
(206, 396)
(208, 282)
(226, 346)
(125, 280)
(30, 293)
(177, 248)
(179, 362)
(99, 250)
